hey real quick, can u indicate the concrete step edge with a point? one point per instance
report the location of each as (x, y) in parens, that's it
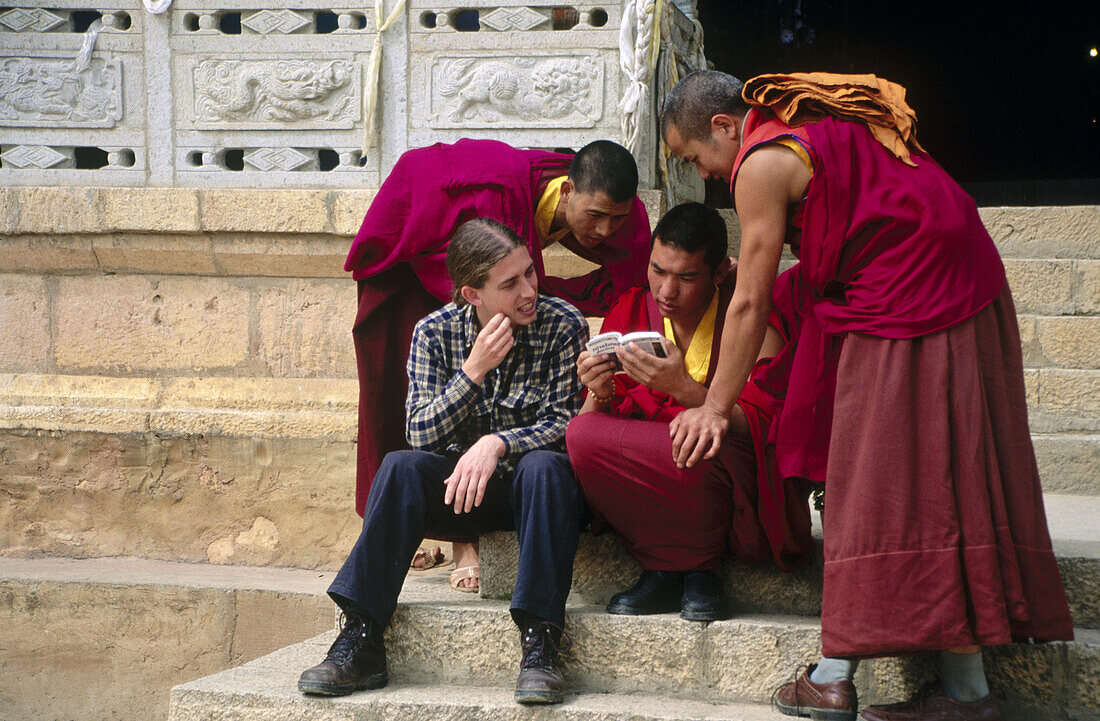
(250, 693)
(477, 646)
(602, 567)
(275, 407)
(1060, 401)
(109, 638)
(440, 637)
(136, 571)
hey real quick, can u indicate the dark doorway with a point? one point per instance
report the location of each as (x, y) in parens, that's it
(1007, 94)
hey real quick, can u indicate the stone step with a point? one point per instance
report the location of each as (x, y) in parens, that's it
(262, 693)
(109, 637)
(242, 471)
(441, 639)
(1059, 401)
(602, 568)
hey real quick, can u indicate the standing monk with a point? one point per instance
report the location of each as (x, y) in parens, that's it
(585, 202)
(905, 394)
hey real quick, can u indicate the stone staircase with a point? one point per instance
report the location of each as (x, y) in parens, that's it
(177, 385)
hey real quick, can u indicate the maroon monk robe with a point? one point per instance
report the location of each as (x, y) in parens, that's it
(399, 259)
(906, 397)
(682, 519)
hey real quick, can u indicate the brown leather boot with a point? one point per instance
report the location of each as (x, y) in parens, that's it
(356, 660)
(539, 679)
(834, 701)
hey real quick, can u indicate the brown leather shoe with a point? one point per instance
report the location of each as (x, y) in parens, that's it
(932, 704)
(539, 679)
(836, 701)
(356, 660)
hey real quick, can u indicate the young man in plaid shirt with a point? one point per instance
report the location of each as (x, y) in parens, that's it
(492, 387)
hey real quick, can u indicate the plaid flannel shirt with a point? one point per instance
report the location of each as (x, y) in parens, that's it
(527, 400)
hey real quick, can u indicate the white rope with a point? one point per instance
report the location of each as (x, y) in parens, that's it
(156, 6)
(84, 57)
(374, 71)
(639, 43)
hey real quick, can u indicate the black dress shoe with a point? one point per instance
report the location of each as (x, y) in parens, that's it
(700, 599)
(655, 592)
(356, 660)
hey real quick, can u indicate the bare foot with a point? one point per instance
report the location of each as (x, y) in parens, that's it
(466, 557)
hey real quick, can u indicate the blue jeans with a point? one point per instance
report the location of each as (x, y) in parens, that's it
(540, 501)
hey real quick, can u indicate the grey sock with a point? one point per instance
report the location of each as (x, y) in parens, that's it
(834, 669)
(963, 676)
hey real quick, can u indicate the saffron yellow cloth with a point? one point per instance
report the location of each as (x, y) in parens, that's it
(697, 357)
(544, 212)
(800, 151)
(879, 104)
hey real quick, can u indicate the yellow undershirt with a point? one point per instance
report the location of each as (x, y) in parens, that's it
(789, 142)
(697, 358)
(544, 213)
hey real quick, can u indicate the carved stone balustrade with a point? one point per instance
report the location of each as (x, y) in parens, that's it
(277, 93)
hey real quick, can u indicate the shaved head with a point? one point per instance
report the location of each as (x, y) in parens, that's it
(698, 98)
(605, 167)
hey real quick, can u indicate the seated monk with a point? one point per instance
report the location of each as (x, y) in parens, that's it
(676, 522)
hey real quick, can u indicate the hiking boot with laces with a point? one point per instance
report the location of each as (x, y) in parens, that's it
(356, 660)
(539, 680)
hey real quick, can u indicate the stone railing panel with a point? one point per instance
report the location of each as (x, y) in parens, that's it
(71, 93)
(279, 93)
(270, 93)
(534, 74)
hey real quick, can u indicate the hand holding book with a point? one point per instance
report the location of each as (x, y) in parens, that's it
(606, 343)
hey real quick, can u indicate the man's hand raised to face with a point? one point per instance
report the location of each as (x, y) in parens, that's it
(491, 346)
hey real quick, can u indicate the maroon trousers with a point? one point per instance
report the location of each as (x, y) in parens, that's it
(670, 519)
(935, 534)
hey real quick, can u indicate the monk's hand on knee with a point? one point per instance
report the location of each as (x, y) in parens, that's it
(597, 373)
(490, 347)
(697, 434)
(466, 485)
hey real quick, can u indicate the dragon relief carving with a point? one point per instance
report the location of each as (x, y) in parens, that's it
(44, 92)
(260, 92)
(518, 91)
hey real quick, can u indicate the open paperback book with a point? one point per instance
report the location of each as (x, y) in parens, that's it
(647, 340)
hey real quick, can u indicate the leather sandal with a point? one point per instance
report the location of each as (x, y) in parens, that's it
(461, 574)
(424, 558)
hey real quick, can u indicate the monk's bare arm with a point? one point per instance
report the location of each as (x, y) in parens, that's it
(769, 180)
(773, 343)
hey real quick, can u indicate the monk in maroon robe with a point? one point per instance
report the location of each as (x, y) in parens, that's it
(585, 202)
(677, 522)
(905, 391)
